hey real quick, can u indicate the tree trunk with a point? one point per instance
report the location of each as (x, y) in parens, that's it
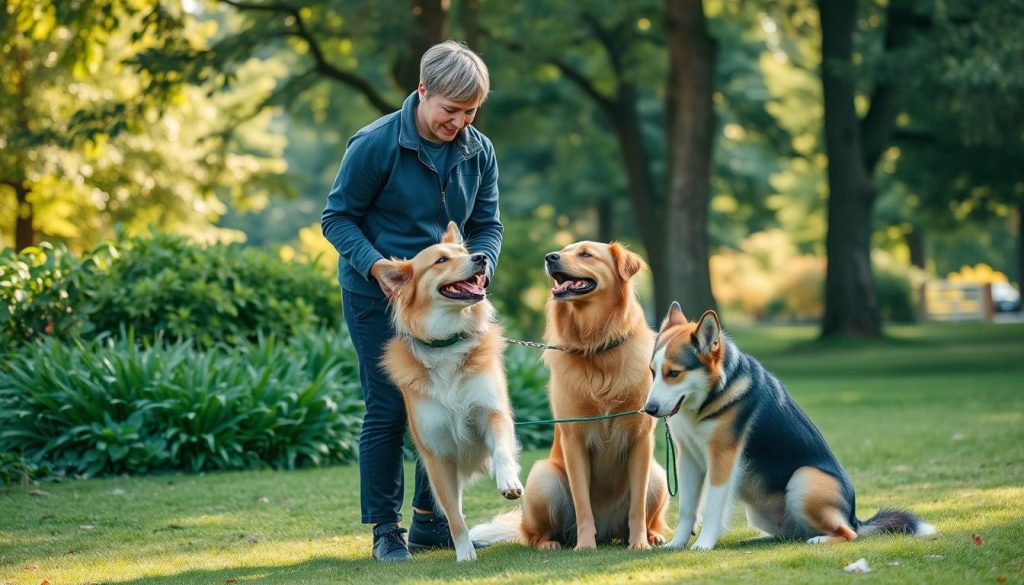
(24, 232)
(643, 195)
(1020, 241)
(915, 244)
(472, 33)
(24, 229)
(851, 305)
(430, 18)
(605, 220)
(692, 54)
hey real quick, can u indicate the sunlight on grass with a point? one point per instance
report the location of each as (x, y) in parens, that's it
(947, 445)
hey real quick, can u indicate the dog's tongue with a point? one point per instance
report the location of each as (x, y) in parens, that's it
(568, 284)
(468, 287)
(561, 288)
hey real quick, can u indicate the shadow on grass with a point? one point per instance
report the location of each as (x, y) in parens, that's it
(894, 556)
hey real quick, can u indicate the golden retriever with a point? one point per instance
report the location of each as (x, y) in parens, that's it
(446, 358)
(599, 482)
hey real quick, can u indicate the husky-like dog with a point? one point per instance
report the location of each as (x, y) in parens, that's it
(446, 358)
(739, 434)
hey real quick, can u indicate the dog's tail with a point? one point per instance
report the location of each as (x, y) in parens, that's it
(895, 521)
(501, 528)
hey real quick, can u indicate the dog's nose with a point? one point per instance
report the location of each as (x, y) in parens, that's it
(551, 257)
(478, 259)
(651, 409)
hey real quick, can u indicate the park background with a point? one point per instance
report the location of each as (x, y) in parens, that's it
(169, 305)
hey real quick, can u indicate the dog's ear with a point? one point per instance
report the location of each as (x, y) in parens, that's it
(626, 263)
(709, 330)
(674, 317)
(452, 236)
(396, 274)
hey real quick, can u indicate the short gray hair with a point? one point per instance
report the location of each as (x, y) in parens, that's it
(452, 70)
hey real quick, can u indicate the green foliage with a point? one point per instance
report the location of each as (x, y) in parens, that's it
(40, 292)
(208, 294)
(161, 285)
(111, 405)
(895, 294)
(527, 390)
(952, 458)
(15, 470)
(94, 143)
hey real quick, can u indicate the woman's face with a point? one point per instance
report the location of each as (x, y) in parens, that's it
(439, 119)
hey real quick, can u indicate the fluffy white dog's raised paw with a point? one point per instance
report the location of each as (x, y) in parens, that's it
(510, 489)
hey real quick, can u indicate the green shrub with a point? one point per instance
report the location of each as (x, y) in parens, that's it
(113, 405)
(895, 295)
(222, 292)
(528, 392)
(41, 293)
(161, 285)
(14, 470)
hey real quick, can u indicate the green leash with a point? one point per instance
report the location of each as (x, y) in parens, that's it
(576, 420)
(672, 477)
(671, 474)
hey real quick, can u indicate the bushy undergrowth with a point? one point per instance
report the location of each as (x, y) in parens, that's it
(161, 285)
(528, 392)
(155, 354)
(41, 292)
(768, 278)
(113, 405)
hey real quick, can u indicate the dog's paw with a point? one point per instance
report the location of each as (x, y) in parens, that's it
(819, 539)
(586, 544)
(642, 545)
(548, 545)
(465, 555)
(655, 539)
(703, 544)
(510, 489)
(678, 541)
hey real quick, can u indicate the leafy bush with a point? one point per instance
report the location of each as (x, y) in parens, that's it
(15, 470)
(223, 292)
(527, 389)
(895, 295)
(161, 285)
(113, 405)
(40, 293)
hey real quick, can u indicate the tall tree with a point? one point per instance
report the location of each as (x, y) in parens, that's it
(607, 54)
(964, 137)
(85, 147)
(691, 125)
(854, 147)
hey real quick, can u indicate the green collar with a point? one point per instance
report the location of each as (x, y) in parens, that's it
(462, 336)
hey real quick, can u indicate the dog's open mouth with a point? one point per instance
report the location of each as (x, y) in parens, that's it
(471, 289)
(570, 286)
(678, 405)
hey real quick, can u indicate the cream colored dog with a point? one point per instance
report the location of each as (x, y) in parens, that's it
(446, 358)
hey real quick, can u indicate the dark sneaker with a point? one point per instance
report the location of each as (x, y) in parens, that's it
(389, 543)
(429, 531)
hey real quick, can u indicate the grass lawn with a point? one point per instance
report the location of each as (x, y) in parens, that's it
(931, 419)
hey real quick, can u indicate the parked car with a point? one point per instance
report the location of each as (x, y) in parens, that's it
(1005, 297)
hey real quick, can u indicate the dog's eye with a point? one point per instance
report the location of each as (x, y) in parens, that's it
(584, 254)
(673, 373)
(441, 260)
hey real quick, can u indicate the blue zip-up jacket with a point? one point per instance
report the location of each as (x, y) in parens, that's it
(389, 201)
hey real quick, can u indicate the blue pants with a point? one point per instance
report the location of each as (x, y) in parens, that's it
(381, 473)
